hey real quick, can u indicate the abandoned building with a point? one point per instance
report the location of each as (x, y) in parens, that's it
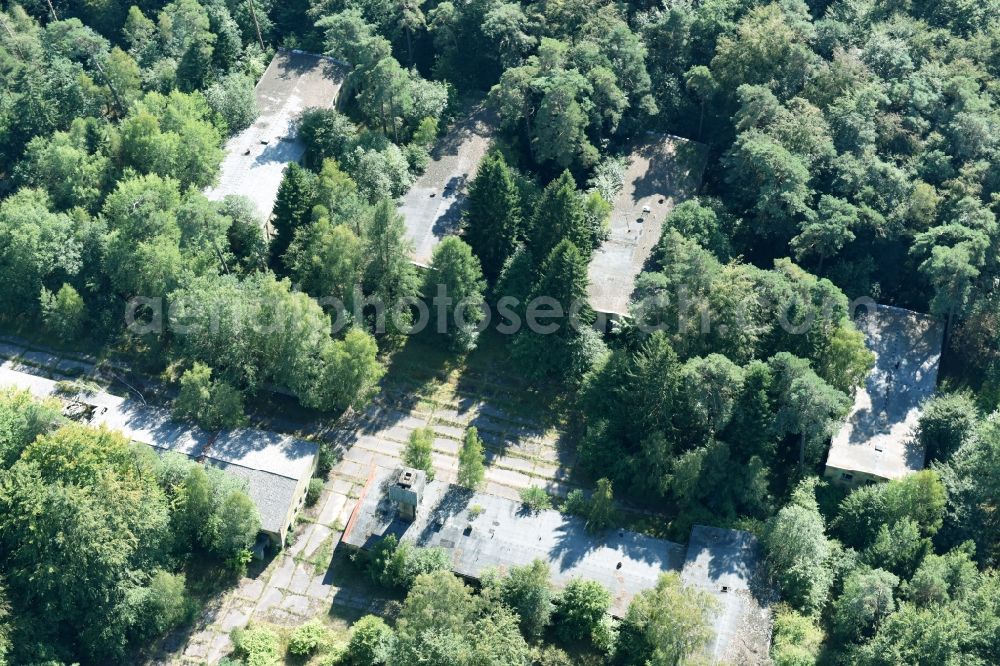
(276, 468)
(728, 564)
(256, 158)
(432, 207)
(480, 531)
(662, 171)
(877, 441)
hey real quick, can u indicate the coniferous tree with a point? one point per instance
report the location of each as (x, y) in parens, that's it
(292, 209)
(493, 217)
(560, 216)
(566, 350)
(470, 460)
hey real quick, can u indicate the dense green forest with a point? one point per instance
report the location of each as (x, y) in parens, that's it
(853, 152)
(105, 544)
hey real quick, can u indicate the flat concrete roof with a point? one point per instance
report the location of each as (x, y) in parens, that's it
(266, 451)
(506, 535)
(662, 172)
(434, 203)
(256, 157)
(877, 438)
(272, 464)
(727, 564)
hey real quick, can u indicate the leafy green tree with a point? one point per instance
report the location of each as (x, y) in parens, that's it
(259, 330)
(943, 578)
(496, 640)
(952, 258)
(434, 622)
(535, 498)
(338, 198)
(36, 244)
(63, 312)
(700, 83)
(63, 166)
(327, 261)
(665, 625)
(292, 209)
(920, 497)
(828, 232)
(235, 526)
(471, 469)
(327, 134)
(83, 521)
(921, 636)
(843, 359)
(233, 98)
(797, 639)
(973, 486)
(307, 638)
(349, 375)
(22, 419)
(898, 548)
(172, 136)
(711, 386)
(559, 130)
(389, 275)
(418, 451)
(493, 215)
(798, 550)
(580, 611)
(702, 220)
(245, 234)
(770, 183)
(371, 642)
(454, 284)
(770, 46)
(212, 404)
(808, 406)
(165, 602)
(947, 421)
(257, 645)
(866, 600)
(143, 256)
(528, 592)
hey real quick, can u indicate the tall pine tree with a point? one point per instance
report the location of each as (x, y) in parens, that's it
(562, 353)
(559, 216)
(493, 218)
(292, 209)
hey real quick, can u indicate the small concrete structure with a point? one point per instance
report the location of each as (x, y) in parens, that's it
(433, 206)
(728, 565)
(276, 468)
(256, 157)
(408, 491)
(662, 172)
(876, 443)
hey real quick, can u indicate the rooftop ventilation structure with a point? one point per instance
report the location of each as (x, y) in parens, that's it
(407, 492)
